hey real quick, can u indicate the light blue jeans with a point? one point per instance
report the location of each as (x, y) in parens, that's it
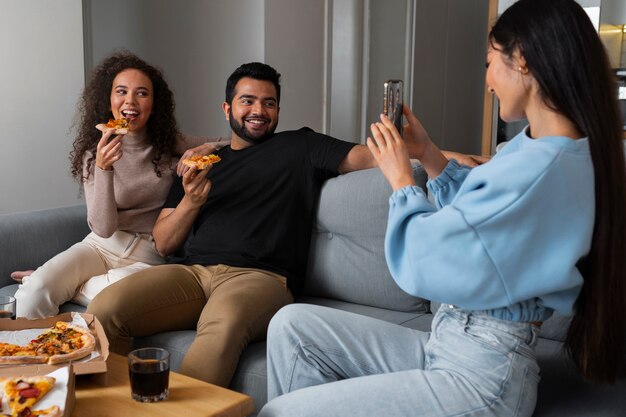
(333, 363)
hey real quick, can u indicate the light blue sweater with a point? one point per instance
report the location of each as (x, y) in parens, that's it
(505, 236)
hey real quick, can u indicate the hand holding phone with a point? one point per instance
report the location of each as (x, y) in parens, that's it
(393, 101)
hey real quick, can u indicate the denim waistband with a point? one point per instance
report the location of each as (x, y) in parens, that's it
(525, 331)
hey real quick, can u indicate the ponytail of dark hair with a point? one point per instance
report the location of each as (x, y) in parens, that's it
(566, 57)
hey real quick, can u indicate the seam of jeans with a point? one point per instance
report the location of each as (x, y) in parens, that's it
(297, 347)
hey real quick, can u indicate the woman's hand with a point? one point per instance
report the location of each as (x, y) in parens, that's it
(467, 160)
(391, 153)
(108, 151)
(420, 146)
(204, 149)
(416, 138)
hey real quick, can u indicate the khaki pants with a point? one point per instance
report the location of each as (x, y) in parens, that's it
(228, 306)
(82, 271)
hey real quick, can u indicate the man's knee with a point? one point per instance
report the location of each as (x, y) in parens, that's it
(105, 302)
(109, 307)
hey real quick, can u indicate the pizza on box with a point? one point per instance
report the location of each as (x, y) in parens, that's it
(200, 162)
(61, 343)
(22, 393)
(122, 126)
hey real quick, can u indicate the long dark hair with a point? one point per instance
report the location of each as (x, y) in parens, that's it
(566, 57)
(95, 107)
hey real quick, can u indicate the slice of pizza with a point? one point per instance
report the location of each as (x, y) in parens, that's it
(19, 355)
(24, 392)
(63, 343)
(200, 162)
(122, 126)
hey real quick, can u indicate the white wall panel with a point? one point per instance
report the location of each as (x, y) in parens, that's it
(41, 70)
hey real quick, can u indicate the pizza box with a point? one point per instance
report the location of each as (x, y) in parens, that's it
(63, 394)
(95, 365)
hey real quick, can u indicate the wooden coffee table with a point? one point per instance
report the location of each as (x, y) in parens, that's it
(188, 397)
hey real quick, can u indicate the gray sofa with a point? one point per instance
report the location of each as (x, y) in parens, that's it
(347, 271)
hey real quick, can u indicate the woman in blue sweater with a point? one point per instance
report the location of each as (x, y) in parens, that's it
(540, 228)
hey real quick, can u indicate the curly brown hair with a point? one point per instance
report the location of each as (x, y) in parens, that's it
(94, 107)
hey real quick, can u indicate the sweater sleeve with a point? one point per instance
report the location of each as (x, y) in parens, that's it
(447, 184)
(100, 199)
(188, 141)
(502, 239)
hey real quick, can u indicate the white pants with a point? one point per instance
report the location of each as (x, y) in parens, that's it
(83, 270)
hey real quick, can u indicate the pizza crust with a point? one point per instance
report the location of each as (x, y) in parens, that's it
(53, 411)
(23, 360)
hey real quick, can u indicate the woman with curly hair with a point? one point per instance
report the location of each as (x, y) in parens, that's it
(125, 178)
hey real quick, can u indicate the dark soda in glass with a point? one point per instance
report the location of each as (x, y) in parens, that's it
(149, 380)
(5, 314)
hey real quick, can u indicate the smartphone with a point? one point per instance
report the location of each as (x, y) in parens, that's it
(392, 102)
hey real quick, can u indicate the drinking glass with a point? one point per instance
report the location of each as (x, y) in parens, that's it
(7, 307)
(149, 373)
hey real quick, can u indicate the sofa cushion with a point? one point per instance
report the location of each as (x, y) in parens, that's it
(563, 392)
(31, 238)
(416, 319)
(346, 260)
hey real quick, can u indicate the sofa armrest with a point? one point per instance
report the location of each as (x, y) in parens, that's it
(28, 239)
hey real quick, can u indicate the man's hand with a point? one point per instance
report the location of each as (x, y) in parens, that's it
(204, 149)
(196, 186)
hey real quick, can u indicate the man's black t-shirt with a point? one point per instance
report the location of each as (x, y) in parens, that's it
(259, 212)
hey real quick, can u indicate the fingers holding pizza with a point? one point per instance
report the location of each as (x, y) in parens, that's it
(204, 149)
(195, 182)
(200, 162)
(108, 150)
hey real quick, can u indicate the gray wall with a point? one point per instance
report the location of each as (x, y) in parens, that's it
(41, 71)
(449, 71)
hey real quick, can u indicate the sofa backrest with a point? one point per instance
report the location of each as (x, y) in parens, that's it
(346, 259)
(28, 239)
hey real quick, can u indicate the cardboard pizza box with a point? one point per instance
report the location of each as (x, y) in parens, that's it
(63, 394)
(94, 365)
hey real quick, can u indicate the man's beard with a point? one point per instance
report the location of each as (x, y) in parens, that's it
(241, 131)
